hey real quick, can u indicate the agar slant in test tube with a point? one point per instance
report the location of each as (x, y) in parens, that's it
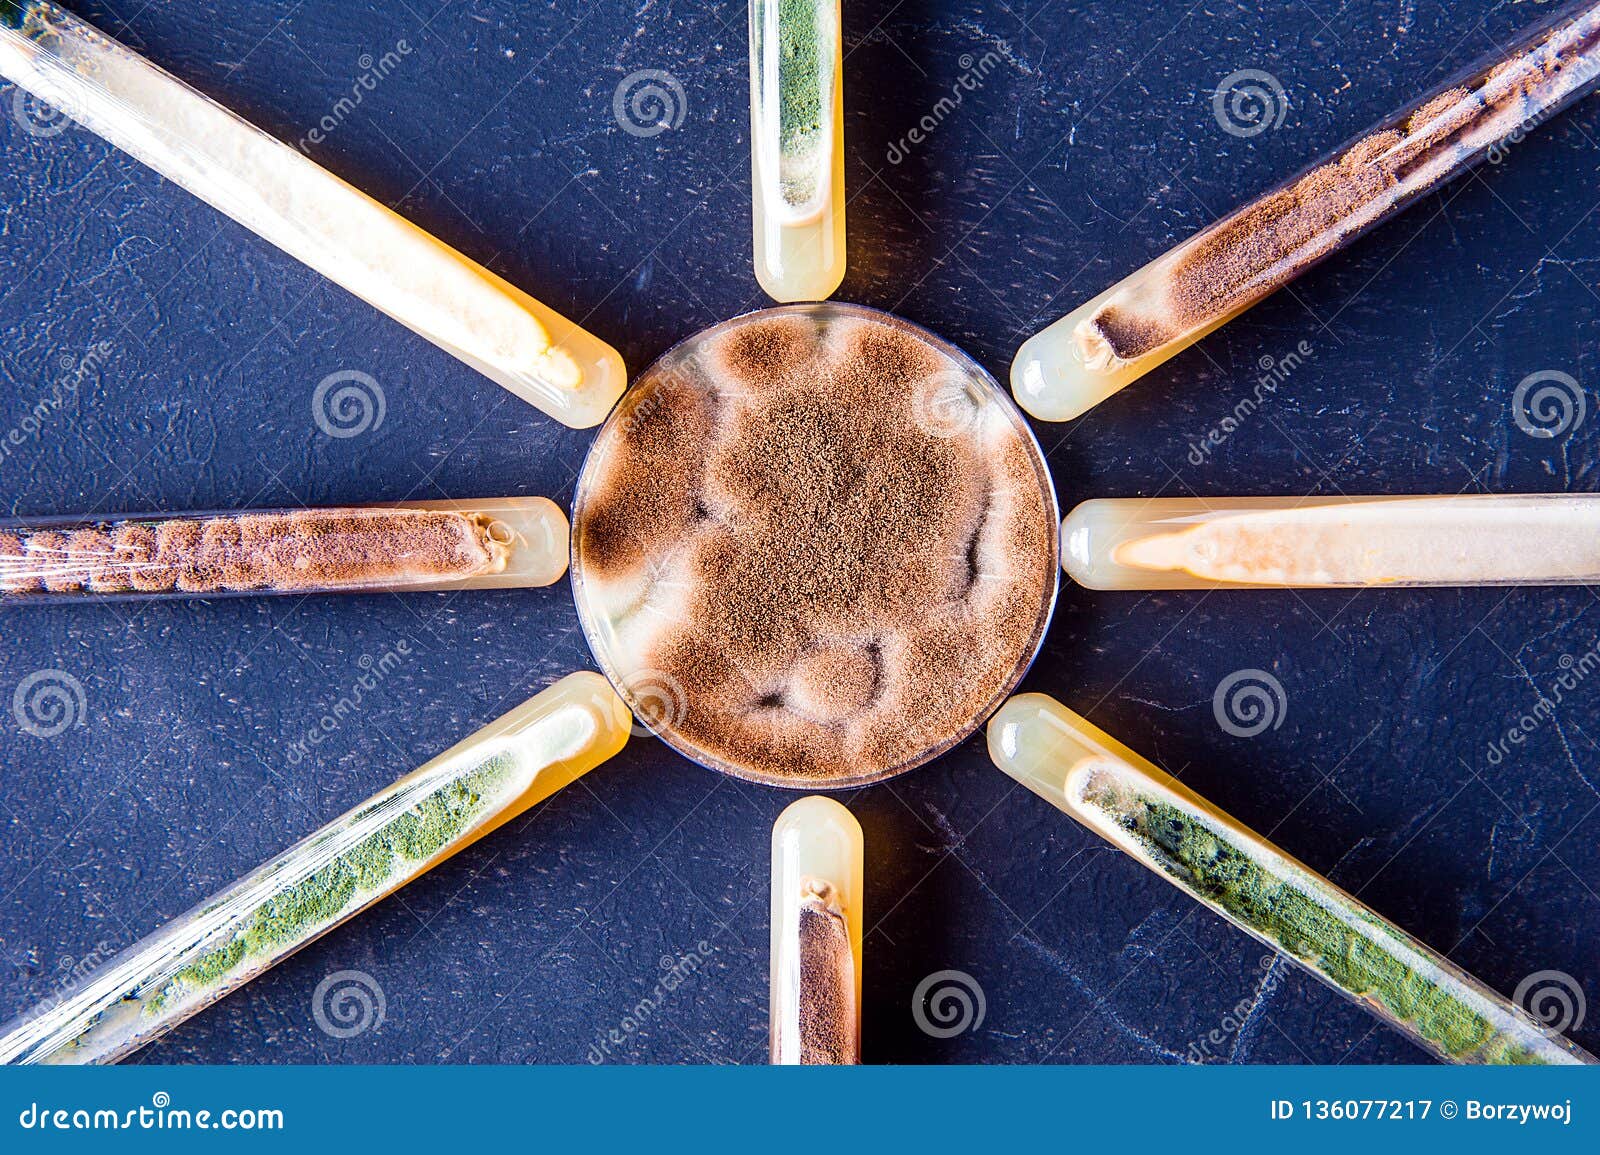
(1309, 542)
(797, 147)
(392, 838)
(816, 935)
(291, 201)
(1214, 859)
(1074, 364)
(490, 543)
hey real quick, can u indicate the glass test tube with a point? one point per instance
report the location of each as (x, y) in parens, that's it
(1215, 860)
(816, 935)
(294, 203)
(1154, 314)
(393, 837)
(497, 543)
(1309, 542)
(797, 147)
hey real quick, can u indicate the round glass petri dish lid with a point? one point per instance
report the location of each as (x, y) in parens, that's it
(814, 546)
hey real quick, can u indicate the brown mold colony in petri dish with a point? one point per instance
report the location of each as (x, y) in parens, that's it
(300, 550)
(1276, 239)
(824, 544)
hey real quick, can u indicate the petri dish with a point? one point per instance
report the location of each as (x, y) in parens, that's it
(814, 546)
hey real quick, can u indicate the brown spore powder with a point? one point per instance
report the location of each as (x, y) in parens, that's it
(840, 570)
(300, 550)
(1275, 239)
(828, 1013)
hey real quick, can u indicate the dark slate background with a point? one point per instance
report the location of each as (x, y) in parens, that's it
(1090, 148)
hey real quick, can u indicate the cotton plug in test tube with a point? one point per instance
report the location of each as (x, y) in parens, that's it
(1154, 314)
(289, 200)
(816, 935)
(1310, 542)
(1284, 904)
(390, 839)
(797, 147)
(491, 543)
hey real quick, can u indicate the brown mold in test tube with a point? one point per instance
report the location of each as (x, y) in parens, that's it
(498, 542)
(1154, 314)
(816, 935)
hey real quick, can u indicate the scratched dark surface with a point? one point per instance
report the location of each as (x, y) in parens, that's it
(1089, 147)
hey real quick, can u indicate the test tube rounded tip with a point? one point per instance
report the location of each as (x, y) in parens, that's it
(605, 376)
(812, 284)
(598, 372)
(817, 811)
(612, 718)
(1049, 382)
(1023, 737)
(1087, 534)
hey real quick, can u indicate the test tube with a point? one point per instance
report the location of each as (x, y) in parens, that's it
(315, 217)
(797, 147)
(493, 543)
(816, 935)
(1287, 906)
(393, 837)
(1154, 314)
(1310, 542)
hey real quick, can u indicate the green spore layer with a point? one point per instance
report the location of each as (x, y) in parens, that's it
(296, 913)
(1348, 947)
(803, 49)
